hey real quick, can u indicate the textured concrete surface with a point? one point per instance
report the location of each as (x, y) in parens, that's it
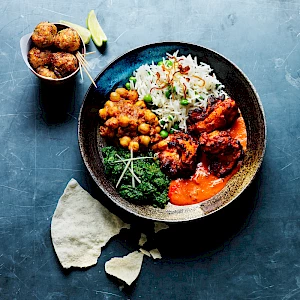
(250, 250)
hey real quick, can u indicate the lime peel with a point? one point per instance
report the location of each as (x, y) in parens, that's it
(98, 35)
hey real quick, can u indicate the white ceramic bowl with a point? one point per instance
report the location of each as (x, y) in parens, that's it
(26, 44)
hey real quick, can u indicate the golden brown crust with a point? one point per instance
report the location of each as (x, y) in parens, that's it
(44, 71)
(223, 152)
(178, 154)
(67, 40)
(64, 63)
(218, 114)
(38, 57)
(44, 34)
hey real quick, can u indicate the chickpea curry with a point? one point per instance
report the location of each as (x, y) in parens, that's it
(128, 121)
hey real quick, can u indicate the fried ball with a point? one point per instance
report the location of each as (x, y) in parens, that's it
(64, 63)
(67, 39)
(44, 71)
(44, 34)
(37, 57)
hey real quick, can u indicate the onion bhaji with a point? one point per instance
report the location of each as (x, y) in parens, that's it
(38, 57)
(223, 152)
(67, 40)
(219, 113)
(44, 34)
(45, 71)
(64, 64)
(178, 154)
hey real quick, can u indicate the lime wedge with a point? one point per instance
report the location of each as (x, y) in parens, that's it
(83, 32)
(97, 32)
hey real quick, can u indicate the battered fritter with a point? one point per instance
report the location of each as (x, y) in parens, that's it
(68, 40)
(45, 71)
(64, 64)
(38, 57)
(44, 34)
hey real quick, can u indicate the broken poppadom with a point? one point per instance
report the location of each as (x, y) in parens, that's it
(126, 268)
(81, 226)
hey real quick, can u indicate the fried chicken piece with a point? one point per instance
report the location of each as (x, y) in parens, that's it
(177, 155)
(223, 152)
(219, 114)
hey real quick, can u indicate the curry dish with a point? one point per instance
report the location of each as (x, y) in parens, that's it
(199, 145)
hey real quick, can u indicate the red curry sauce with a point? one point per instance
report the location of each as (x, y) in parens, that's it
(203, 185)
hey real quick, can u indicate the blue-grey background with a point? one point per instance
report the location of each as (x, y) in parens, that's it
(250, 250)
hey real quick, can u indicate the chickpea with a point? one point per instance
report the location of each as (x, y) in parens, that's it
(115, 97)
(132, 95)
(157, 129)
(134, 146)
(106, 132)
(144, 140)
(122, 92)
(144, 128)
(103, 113)
(140, 103)
(112, 111)
(124, 121)
(109, 104)
(150, 116)
(133, 124)
(112, 123)
(124, 141)
(162, 145)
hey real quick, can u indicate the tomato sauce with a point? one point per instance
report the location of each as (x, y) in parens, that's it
(203, 185)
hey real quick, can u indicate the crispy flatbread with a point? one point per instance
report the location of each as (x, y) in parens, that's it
(143, 239)
(81, 226)
(158, 226)
(145, 252)
(155, 253)
(126, 268)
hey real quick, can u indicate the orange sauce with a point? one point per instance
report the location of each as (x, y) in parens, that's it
(203, 185)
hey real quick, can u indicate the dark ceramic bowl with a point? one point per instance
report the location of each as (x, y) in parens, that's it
(237, 85)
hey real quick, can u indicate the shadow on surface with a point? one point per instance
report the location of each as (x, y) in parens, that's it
(198, 238)
(204, 237)
(57, 101)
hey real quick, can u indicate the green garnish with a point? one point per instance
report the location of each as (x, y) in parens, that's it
(184, 102)
(168, 94)
(133, 79)
(152, 185)
(168, 63)
(176, 126)
(148, 98)
(164, 134)
(127, 85)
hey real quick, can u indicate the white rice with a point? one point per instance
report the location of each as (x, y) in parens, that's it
(199, 83)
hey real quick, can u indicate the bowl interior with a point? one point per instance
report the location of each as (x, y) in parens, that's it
(237, 86)
(26, 44)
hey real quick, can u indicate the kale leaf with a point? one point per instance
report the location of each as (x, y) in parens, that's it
(154, 185)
